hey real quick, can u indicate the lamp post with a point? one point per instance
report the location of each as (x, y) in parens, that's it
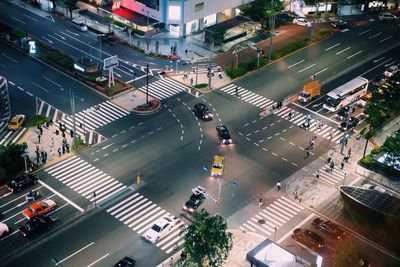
(24, 155)
(272, 31)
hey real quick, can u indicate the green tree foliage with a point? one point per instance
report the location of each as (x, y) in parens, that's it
(348, 253)
(263, 10)
(376, 117)
(11, 162)
(207, 243)
(71, 5)
(392, 148)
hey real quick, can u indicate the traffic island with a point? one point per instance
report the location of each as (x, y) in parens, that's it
(150, 107)
(135, 101)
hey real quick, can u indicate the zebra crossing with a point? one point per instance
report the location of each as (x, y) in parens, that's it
(333, 177)
(326, 131)
(139, 214)
(248, 96)
(10, 136)
(202, 68)
(85, 179)
(274, 215)
(164, 88)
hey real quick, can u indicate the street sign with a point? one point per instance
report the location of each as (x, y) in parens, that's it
(110, 62)
(32, 47)
(237, 49)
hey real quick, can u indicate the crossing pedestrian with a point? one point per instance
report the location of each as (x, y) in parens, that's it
(219, 75)
(300, 198)
(330, 134)
(278, 186)
(260, 202)
(342, 164)
(38, 138)
(331, 166)
(290, 115)
(237, 91)
(296, 194)
(67, 147)
(317, 174)
(59, 152)
(307, 154)
(349, 153)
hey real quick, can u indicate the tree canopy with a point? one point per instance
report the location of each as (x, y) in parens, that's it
(348, 253)
(11, 162)
(263, 10)
(207, 243)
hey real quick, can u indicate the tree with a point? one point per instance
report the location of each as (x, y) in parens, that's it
(263, 10)
(376, 117)
(207, 243)
(71, 5)
(348, 253)
(392, 148)
(11, 162)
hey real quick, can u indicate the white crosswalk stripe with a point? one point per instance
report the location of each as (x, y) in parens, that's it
(94, 117)
(85, 179)
(298, 118)
(334, 177)
(140, 213)
(10, 136)
(274, 215)
(248, 96)
(164, 88)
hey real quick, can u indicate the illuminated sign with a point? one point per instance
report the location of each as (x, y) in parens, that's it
(32, 47)
(174, 12)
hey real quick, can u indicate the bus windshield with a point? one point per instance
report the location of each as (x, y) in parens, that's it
(330, 101)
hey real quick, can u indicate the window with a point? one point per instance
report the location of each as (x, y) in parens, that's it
(199, 7)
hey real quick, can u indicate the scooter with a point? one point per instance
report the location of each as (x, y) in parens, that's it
(32, 196)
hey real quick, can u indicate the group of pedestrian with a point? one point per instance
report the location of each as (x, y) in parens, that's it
(307, 123)
(297, 196)
(173, 49)
(41, 155)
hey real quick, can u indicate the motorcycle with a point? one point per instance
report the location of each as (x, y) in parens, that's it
(32, 196)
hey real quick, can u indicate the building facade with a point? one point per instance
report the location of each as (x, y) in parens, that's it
(185, 16)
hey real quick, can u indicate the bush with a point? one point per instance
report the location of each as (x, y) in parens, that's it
(123, 25)
(37, 120)
(376, 150)
(18, 33)
(201, 85)
(235, 72)
(288, 49)
(60, 59)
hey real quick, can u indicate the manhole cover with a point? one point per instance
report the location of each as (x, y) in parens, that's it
(261, 221)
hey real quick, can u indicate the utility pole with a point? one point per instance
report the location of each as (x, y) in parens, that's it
(197, 70)
(71, 93)
(272, 31)
(147, 84)
(147, 32)
(209, 65)
(314, 20)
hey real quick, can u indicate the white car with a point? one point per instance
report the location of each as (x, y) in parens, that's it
(4, 230)
(302, 22)
(160, 228)
(392, 70)
(385, 16)
(374, 187)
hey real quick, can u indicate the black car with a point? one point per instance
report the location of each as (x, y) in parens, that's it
(195, 200)
(224, 134)
(202, 111)
(125, 262)
(21, 182)
(340, 24)
(350, 123)
(36, 225)
(328, 227)
(344, 112)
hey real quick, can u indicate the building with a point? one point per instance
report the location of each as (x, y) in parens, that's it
(182, 17)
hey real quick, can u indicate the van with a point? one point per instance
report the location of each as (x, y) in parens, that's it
(218, 165)
(385, 16)
(79, 25)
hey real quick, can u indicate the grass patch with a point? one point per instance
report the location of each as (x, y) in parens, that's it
(245, 67)
(37, 120)
(60, 59)
(201, 85)
(18, 33)
(281, 52)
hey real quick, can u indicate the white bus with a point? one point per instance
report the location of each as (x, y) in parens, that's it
(346, 94)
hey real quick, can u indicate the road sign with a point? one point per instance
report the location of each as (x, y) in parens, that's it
(237, 49)
(110, 62)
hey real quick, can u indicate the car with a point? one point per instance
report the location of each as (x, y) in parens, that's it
(21, 182)
(224, 134)
(302, 22)
(374, 187)
(35, 226)
(125, 262)
(309, 239)
(195, 200)
(201, 110)
(386, 16)
(4, 230)
(378, 80)
(39, 208)
(218, 165)
(340, 24)
(16, 122)
(328, 227)
(350, 123)
(392, 70)
(344, 112)
(160, 228)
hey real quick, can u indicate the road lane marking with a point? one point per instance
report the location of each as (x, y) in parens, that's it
(107, 146)
(96, 261)
(333, 46)
(47, 39)
(377, 34)
(62, 37)
(364, 32)
(307, 68)
(29, 93)
(44, 89)
(61, 196)
(296, 63)
(53, 82)
(14, 18)
(32, 18)
(381, 41)
(73, 254)
(355, 54)
(4, 55)
(320, 71)
(338, 53)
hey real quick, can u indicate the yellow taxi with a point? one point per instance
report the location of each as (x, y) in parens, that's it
(218, 165)
(16, 122)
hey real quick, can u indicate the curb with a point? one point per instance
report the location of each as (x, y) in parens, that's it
(150, 112)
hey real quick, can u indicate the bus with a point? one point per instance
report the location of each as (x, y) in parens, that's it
(346, 94)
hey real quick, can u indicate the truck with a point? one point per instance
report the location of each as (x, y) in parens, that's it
(311, 90)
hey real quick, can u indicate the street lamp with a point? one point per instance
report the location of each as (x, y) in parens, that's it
(24, 155)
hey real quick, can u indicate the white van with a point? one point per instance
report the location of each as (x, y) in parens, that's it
(79, 25)
(385, 16)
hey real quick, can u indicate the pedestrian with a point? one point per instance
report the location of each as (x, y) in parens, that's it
(317, 174)
(67, 147)
(71, 132)
(349, 153)
(45, 156)
(296, 194)
(63, 134)
(308, 125)
(59, 152)
(38, 138)
(331, 166)
(237, 91)
(171, 262)
(52, 142)
(304, 126)
(331, 134)
(63, 149)
(290, 115)
(191, 81)
(186, 51)
(172, 49)
(307, 154)
(278, 186)
(219, 75)
(260, 202)
(342, 164)
(212, 73)
(300, 198)
(60, 125)
(309, 117)
(37, 160)
(41, 130)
